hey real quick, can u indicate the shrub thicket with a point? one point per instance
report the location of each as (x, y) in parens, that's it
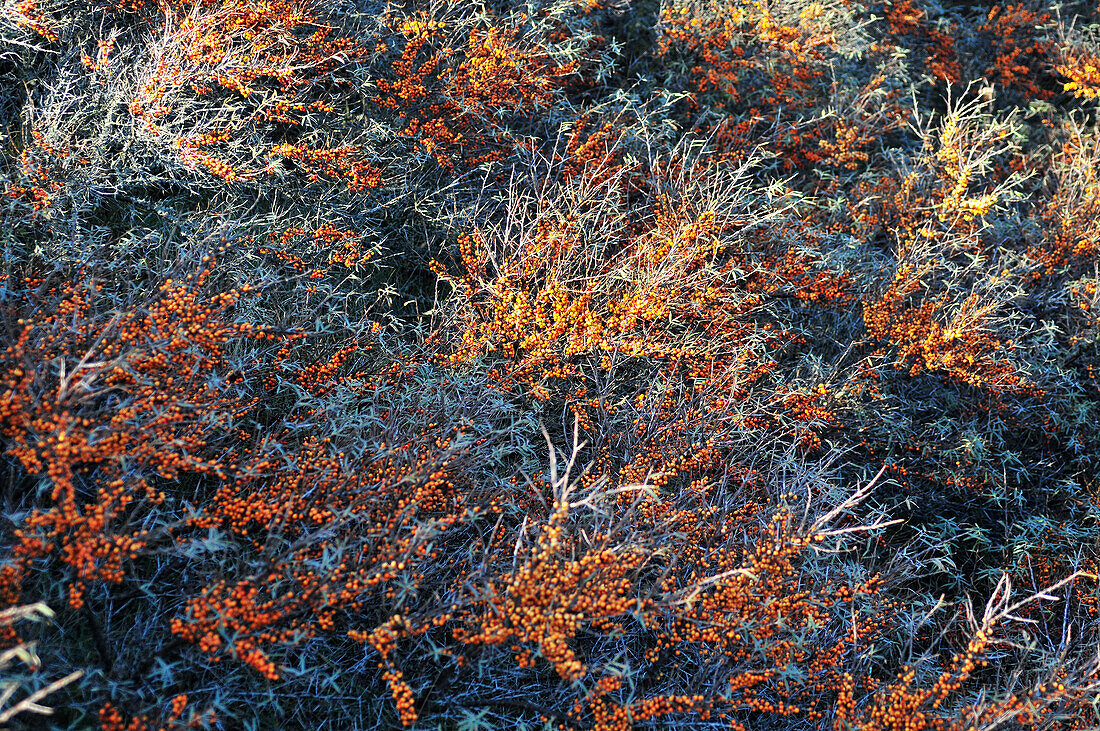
(583, 364)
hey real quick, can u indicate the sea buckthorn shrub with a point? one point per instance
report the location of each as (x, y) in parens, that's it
(1021, 39)
(1076, 58)
(586, 364)
(209, 86)
(754, 70)
(457, 97)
